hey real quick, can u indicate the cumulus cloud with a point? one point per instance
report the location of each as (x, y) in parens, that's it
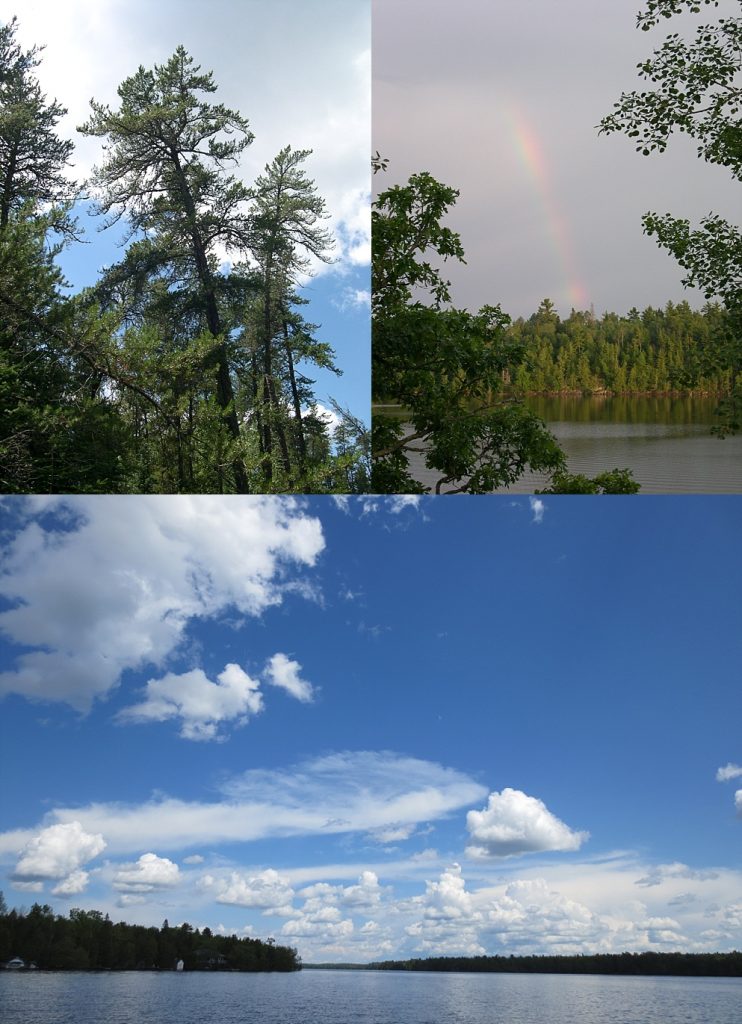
(72, 885)
(326, 915)
(448, 898)
(530, 914)
(514, 823)
(267, 890)
(445, 920)
(146, 875)
(200, 704)
(281, 671)
(365, 895)
(729, 771)
(57, 851)
(537, 508)
(110, 583)
(351, 791)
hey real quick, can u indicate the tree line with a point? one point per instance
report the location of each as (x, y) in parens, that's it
(187, 366)
(89, 940)
(657, 350)
(649, 963)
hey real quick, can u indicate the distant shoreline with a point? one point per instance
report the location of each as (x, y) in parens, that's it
(694, 965)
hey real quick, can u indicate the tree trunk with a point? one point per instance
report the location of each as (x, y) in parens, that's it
(300, 439)
(224, 390)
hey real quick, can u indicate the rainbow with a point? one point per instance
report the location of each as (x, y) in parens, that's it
(531, 156)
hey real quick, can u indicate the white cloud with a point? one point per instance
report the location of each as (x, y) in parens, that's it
(267, 890)
(72, 885)
(146, 875)
(738, 802)
(729, 771)
(399, 502)
(352, 791)
(317, 925)
(515, 823)
(283, 672)
(328, 416)
(661, 872)
(448, 898)
(28, 886)
(326, 917)
(131, 900)
(394, 504)
(444, 919)
(195, 858)
(201, 705)
(393, 833)
(537, 508)
(115, 586)
(353, 298)
(321, 101)
(57, 851)
(366, 895)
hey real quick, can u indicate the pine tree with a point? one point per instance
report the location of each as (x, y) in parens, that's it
(32, 156)
(164, 167)
(286, 231)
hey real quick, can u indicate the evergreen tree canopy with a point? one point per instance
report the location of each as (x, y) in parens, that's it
(32, 156)
(697, 89)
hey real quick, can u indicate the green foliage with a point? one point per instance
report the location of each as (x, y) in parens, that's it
(58, 432)
(88, 940)
(171, 374)
(445, 366)
(615, 481)
(696, 91)
(32, 156)
(674, 349)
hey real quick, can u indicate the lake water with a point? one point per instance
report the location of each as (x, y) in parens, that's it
(664, 441)
(364, 997)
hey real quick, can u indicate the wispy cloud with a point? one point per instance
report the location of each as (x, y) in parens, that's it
(352, 791)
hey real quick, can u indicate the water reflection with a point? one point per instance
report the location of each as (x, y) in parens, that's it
(665, 441)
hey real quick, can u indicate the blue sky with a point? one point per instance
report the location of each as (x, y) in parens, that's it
(377, 727)
(339, 303)
(300, 79)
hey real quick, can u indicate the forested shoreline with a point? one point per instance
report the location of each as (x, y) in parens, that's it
(728, 965)
(89, 940)
(188, 366)
(655, 351)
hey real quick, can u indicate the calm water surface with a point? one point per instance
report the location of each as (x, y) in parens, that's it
(664, 441)
(366, 997)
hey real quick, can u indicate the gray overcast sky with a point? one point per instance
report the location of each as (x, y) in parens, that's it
(500, 100)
